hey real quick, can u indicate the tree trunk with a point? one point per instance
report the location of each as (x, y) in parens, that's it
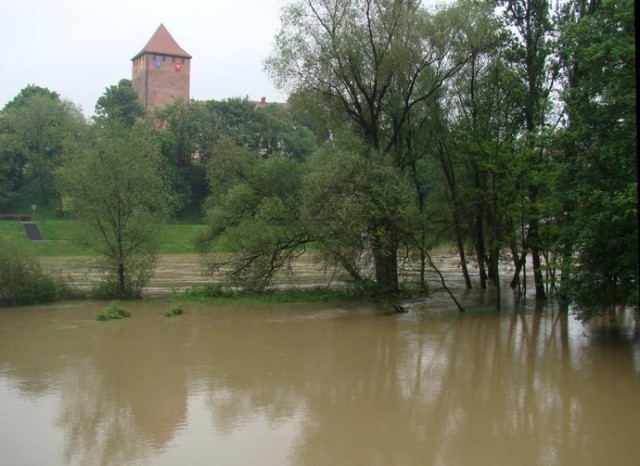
(384, 247)
(122, 284)
(447, 168)
(386, 264)
(463, 258)
(495, 268)
(481, 252)
(534, 241)
(518, 262)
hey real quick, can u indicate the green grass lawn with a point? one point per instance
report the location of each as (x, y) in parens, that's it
(175, 238)
(13, 231)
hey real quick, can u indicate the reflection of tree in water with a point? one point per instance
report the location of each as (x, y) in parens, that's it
(329, 371)
(122, 386)
(99, 429)
(257, 366)
(517, 388)
(140, 398)
(446, 390)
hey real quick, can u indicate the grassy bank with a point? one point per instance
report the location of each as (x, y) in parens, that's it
(175, 238)
(219, 294)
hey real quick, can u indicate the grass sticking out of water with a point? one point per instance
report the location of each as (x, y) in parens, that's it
(114, 311)
(220, 294)
(174, 311)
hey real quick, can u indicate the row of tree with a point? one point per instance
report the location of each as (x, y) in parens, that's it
(124, 173)
(506, 126)
(503, 126)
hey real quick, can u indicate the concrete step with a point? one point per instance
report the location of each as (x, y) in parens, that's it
(32, 231)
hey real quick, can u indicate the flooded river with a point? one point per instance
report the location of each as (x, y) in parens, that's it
(330, 384)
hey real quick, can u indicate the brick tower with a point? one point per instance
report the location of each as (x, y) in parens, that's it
(161, 71)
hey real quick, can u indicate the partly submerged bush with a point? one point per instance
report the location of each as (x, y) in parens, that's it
(174, 311)
(22, 280)
(114, 311)
(138, 270)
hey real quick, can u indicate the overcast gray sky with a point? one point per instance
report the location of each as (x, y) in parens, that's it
(79, 47)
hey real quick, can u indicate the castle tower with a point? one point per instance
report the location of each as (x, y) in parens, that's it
(161, 71)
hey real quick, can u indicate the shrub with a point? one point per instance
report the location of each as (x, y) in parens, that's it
(22, 280)
(15, 217)
(114, 311)
(208, 290)
(174, 311)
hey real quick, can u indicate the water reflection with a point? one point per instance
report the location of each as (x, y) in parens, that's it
(317, 385)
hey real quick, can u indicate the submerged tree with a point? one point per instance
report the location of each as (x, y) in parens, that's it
(254, 209)
(372, 66)
(532, 58)
(596, 177)
(114, 186)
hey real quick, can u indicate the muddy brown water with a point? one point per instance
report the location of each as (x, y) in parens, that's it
(180, 271)
(322, 384)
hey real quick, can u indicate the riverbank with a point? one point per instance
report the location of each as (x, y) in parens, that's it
(179, 272)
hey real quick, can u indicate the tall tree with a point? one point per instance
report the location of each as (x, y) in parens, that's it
(27, 93)
(532, 58)
(114, 186)
(36, 129)
(254, 209)
(372, 66)
(121, 103)
(469, 132)
(186, 131)
(597, 177)
(280, 133)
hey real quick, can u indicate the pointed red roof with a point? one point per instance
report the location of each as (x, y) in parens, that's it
(163, 44)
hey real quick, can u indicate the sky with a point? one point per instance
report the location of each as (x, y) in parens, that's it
(78, 48)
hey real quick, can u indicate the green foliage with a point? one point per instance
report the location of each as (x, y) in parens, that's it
(191, 134)
(279, 133)
(114, 312)
(21, 278)
(235, 118)
(596, 180)
(27, 93)
(345, 195)
(120, 103)
(267, 129)
(174, 311)
(205, 291)
(222, 294)
(114, 186)
(374, 75)
(36, 130)
(254, 211)
(186, 133)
